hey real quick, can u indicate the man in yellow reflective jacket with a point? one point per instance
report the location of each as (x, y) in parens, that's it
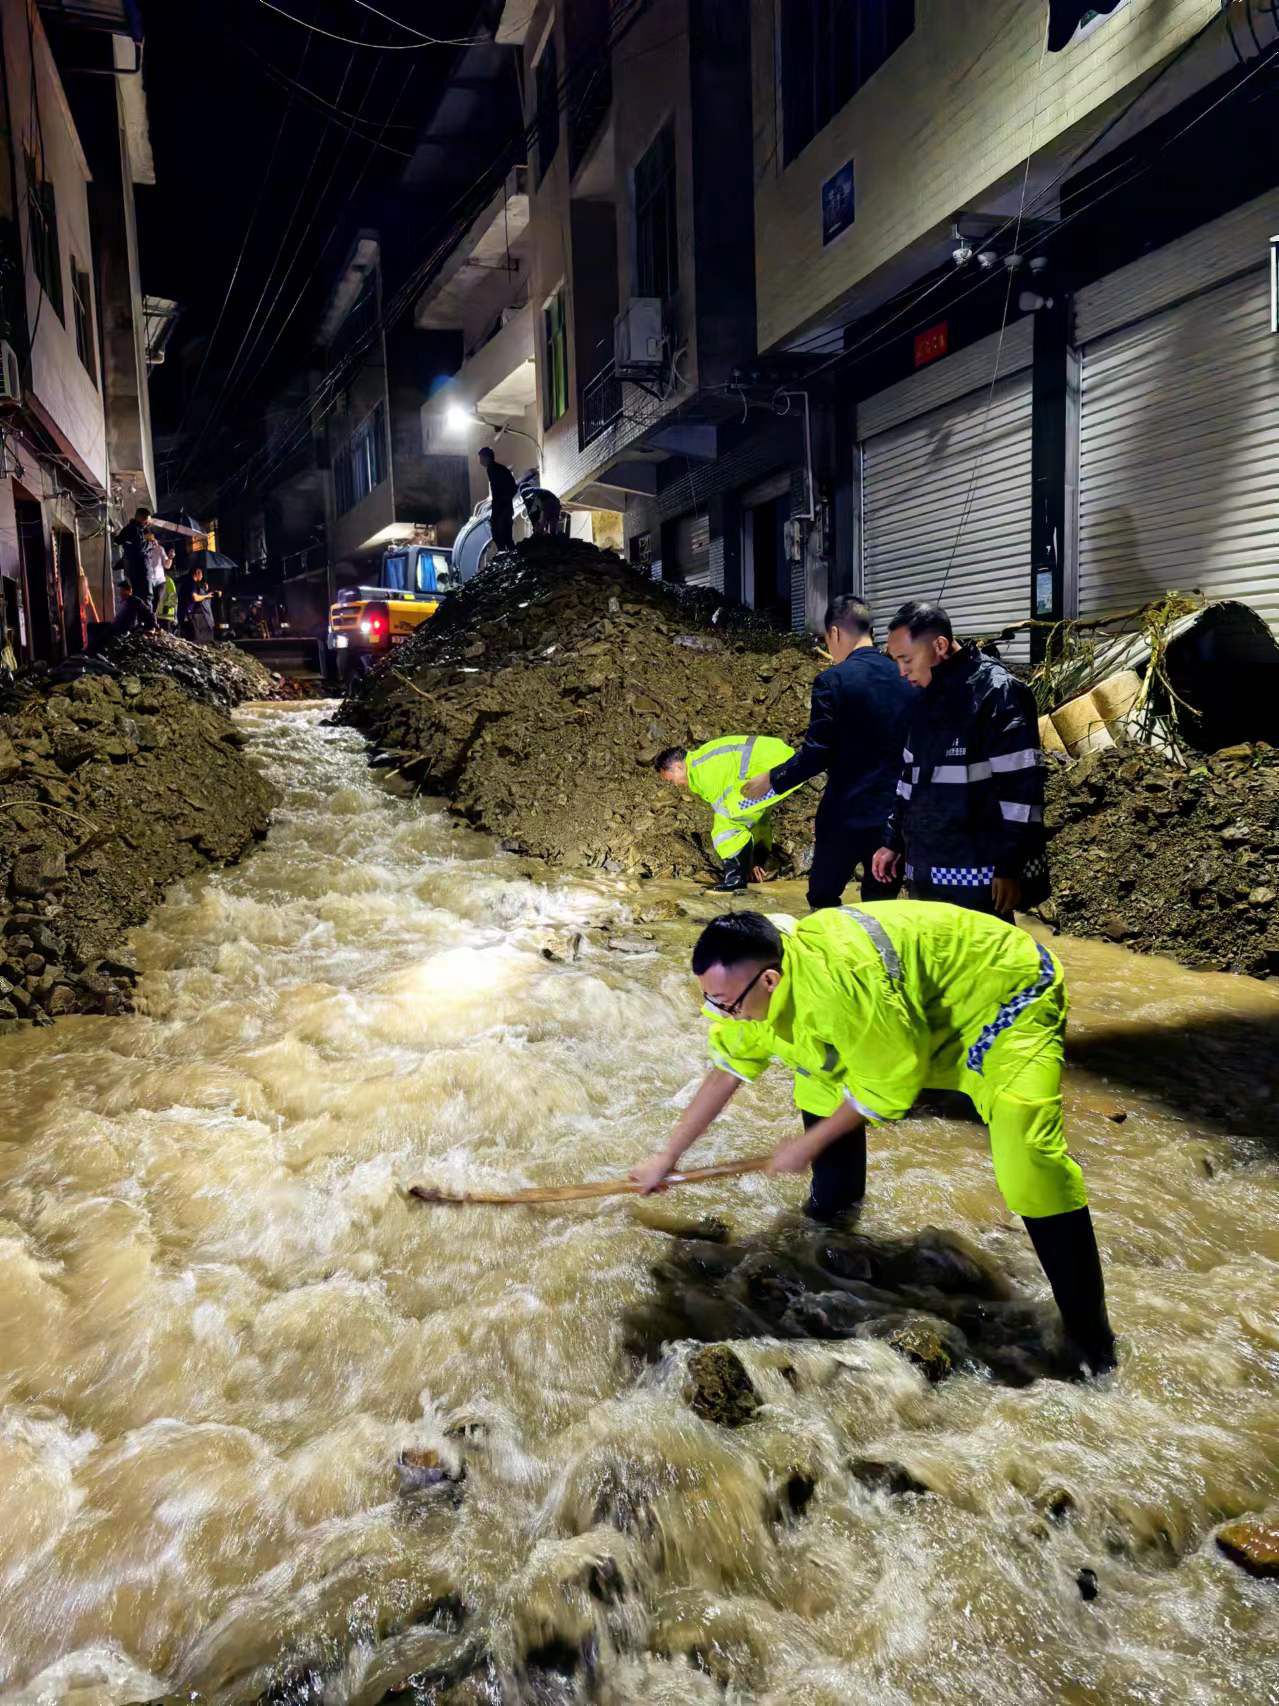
(741, 829)
(870, 1005)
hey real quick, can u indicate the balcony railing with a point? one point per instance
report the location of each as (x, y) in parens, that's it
(600, 405)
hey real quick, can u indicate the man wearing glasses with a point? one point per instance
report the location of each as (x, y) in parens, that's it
(869, 1006)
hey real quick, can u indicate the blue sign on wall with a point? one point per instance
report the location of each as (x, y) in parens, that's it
(837, 204)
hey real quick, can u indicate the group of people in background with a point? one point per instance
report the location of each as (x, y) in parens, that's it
(934, 778)
(934, 773)
(149, 595)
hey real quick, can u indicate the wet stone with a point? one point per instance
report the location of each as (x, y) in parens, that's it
(884, 1476)
(719, 1388)
(1253, 1543)
(1086, 1582)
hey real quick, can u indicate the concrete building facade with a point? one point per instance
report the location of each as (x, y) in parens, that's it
(75, 437)
(643, 289)
(941, 204)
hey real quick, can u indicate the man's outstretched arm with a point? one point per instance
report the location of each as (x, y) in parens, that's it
(800, 1152)
(714, 1094)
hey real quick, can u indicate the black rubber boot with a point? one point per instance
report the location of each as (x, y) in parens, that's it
(839, 1177)
(737, 874)
(1067, 1249)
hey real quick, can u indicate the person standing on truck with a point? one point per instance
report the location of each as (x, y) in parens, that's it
(856, 729)
(501, 500)
(741, 829)
(967, 825)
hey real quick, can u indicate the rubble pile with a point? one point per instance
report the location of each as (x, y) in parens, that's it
(1168, 859)
(109, 789)
(538, 697)
(215, 675)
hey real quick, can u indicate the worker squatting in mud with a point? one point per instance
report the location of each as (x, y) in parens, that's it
(742, 825)
(871, 1006)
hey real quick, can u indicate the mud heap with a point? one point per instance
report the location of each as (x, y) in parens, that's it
(109, 789)
(215, 675)
(1170, 860)
(537, 699)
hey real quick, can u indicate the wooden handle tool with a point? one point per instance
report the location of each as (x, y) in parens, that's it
(596, 1188)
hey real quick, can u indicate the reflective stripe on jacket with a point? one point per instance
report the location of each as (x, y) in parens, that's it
(970, 797)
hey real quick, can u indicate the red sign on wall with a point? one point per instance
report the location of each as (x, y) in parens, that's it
(932, 343)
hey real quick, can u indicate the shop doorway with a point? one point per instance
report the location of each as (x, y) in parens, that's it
(766, 571)
(68, 564)
(39, 594)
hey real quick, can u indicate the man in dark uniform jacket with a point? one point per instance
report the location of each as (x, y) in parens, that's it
(967, 825)
(501, 500)
(856, 728)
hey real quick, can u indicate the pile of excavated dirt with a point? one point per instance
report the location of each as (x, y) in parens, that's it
(109, 789)
(215, 675)
(1166, 860)
(538, 697)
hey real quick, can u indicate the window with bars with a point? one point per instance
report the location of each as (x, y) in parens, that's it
(42, 235)
(548, 106)
(829, 49)
(82, 309)
(360, 465)
(555, 344)
(656, 220)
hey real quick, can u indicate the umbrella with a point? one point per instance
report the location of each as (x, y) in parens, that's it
(180, 521)
(218, 560)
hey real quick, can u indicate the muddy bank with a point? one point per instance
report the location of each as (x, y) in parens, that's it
(537, 699)
(110, 787)
(1170, 860)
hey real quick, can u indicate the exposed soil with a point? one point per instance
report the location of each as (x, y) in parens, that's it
(110, 787)
(1167, 860)
(537, 699)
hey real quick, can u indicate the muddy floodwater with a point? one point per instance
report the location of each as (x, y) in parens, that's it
(221, 1323)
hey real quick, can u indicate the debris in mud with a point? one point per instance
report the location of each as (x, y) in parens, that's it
(719, 1389)
(1253, 1543)
(936, 1301)
(538, 697)
(1086, 1582)
(1183, 862)
(109, 789)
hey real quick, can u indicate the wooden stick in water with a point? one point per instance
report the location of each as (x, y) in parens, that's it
(596, 1188)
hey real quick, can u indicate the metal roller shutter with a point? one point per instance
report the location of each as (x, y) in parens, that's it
(917, 511)
(693, 549)
(1179, 455)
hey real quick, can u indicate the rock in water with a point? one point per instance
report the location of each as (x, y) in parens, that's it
(719, 1388)
(1253, 1543)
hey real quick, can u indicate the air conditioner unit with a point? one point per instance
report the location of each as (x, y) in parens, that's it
(10, 375)
(638, 342)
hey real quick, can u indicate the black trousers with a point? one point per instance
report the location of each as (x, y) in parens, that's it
(836, 856)
(501, 524)
(979, 898)
(839, 1174)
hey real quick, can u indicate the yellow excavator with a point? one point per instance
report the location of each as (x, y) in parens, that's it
(366, 622)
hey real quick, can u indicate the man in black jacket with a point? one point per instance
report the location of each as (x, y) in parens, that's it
(501, 500)
(967, 825)
(856, 727)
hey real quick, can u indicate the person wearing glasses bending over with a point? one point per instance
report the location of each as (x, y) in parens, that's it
(870, 1005)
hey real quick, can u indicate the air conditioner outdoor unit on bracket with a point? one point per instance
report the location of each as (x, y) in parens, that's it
(10, 375)
(638, 342)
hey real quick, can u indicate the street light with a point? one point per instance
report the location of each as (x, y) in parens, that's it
(457, 419)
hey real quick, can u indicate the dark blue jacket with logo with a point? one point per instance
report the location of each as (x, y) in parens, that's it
(970, 797)
(861, 709)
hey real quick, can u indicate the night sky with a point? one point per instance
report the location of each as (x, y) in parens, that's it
(222, 79)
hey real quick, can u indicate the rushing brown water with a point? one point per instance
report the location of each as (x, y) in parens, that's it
(220, 1323)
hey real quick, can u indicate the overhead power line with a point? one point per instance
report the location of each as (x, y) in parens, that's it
(378, 46)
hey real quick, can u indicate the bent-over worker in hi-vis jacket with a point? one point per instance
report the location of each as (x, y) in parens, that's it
(869, 1006)
(742, 829)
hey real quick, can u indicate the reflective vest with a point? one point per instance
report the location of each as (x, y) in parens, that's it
(881, 1001)
(716, 772)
